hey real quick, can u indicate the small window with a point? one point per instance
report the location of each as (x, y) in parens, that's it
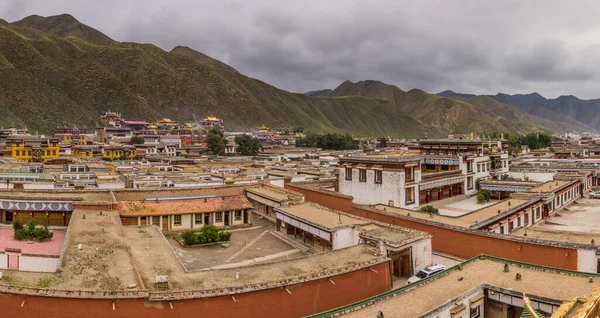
(176, 219)
(238, 215)
(409, 196)
(445, 168)
(362, 175)
(408, 171)
(378, 176)
(156, 220)
(219, 217)
(348, 173)
(198, 218)
(474, 313)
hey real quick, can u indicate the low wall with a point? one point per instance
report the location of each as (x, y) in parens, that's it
(293, 301)
(38, 263)
(461, 242)
(141, 194)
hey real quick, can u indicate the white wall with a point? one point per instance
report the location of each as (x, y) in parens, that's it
(369, 192)
(586, 261)
(345, 237)
(277, 183)
(38, 264)
(421, 254)
(3, 261)
(112, 185)
(535, 176)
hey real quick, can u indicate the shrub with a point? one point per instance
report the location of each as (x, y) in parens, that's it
(31, 232)
(17, 225)
(189, 238)
(20, 234)
(484, 196)
(208, 234)
(429, 209)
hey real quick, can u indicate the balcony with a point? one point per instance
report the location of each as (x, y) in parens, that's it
(428, 176)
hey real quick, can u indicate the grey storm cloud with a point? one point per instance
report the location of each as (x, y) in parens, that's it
(482, 47)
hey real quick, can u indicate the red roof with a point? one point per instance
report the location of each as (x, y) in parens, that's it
(218, 204)
(127, 122)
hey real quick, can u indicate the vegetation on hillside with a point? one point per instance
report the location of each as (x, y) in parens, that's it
(332, 141)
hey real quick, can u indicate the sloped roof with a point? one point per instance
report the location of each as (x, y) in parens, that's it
(218, 204)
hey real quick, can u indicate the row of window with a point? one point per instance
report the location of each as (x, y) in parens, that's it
(362, 175)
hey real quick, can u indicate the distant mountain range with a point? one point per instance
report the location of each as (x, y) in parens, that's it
(569, 113)
(57, 71)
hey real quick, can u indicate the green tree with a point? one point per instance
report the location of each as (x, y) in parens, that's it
(382, 142)
(136, 140)
(484, 196)
(215, 142)
(247, 145)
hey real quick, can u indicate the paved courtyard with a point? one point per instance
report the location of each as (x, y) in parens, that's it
(459, 205)
(248, 246)
(52, 248)
(581, 216)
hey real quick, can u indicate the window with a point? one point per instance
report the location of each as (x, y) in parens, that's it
(409, 173)
(474, 313)
(409, 196)
(518, 221)
(198, 218)
(362, 175)
(176, 219)
(378, 176)
(469, 183)
(526, 220)
(429, 167)
(445, 168)
(537, 213)
(219, 217)
(348, 173)
(238, 215)
(156, 220)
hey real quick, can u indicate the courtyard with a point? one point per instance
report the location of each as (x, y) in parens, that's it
(248, 246)
(459, 205)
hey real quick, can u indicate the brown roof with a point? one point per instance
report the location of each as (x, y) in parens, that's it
(218, 204)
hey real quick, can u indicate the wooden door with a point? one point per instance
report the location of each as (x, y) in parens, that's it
(165, 225)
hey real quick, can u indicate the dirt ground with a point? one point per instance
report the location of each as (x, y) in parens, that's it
(103, 262)
(246, 244)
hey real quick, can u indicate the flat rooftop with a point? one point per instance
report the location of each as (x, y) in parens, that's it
(103, 196)
(465, 220)
(271, 194)
(538, 281)
(51, 248)
(560, 236)
(388, 234)
(549, 186)
(217, 204)
(104, 262)
(321, 216)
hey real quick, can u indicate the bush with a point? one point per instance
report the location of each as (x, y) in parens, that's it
(484, 196)
(17, 225)
(208, 234)
(429, 209)
(189, 238)
(31, 232)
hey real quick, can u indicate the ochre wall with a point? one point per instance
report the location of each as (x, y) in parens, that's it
(455, 242)
(305, 299)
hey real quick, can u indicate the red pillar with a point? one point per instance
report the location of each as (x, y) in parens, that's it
(428, 196)
(499, 195)
(440, 194)
(450, 192)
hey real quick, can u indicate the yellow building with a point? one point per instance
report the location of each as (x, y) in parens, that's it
(86, 152)
(33, 148)
(71, 135)
(119, 152)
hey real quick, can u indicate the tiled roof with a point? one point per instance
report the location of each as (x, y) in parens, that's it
(229, 203)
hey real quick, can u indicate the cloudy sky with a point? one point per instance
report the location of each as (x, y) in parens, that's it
(484, 47)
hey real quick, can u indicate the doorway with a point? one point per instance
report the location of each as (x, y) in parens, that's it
(8, 216)
(165, 225)
(226, 218)
(206, 218)
(143, 220)
(245, 217)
